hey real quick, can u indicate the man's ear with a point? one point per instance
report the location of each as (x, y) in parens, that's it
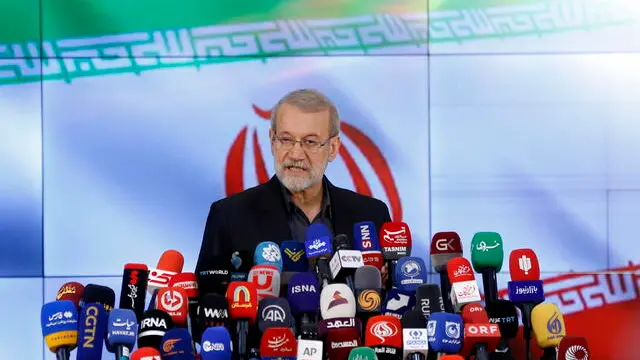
(334, 147)
(272, 135)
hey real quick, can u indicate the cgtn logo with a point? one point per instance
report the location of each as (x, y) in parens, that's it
(235, 162)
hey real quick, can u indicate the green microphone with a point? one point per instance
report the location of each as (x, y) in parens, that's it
(487, 254)
(362, 353)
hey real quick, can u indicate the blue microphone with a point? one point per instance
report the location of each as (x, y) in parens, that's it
(303, 295)
(176, 344)
(293, 256)
(318, 249)
(216, 344)
(268, 253)
(398, 302)
(365, 236)
(411, 272)
(444, 332)
(92, 328)
(59, 321)
(122, 332)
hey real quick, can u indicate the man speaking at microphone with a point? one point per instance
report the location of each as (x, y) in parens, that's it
(304, 138)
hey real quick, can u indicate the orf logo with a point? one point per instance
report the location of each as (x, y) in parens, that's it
(234, 168)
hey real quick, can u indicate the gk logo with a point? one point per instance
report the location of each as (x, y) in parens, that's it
(295, 256)
(444, 244)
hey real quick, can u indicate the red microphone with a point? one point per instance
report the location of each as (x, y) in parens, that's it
(573, 348)
(170, 263)
(174, 301)
(188, 282)
(445, 245)
(146, 353)
(480, 338)
(242, 297)
(395, 243)
(340, 342)
(72, 291)
(474, 313)
(278, 342)
(525, 288)
(464, 288)
(384, 335)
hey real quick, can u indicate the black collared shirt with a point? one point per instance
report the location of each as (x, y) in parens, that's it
(298, 220)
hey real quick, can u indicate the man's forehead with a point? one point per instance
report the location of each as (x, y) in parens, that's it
(299, 122)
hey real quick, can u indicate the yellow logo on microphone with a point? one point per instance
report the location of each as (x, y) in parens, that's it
(294, 255)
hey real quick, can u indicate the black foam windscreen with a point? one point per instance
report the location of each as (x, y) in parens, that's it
(367, 277)
(274, 312)
(100, 294)
(213, 310)
(429, 299)
(215, 277)
(414, 319)
(504, 314)
(341, 242)
(153, 325)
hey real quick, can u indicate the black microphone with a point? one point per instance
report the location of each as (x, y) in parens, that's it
(345, 261)
(429, 301)
(215, 278)
(134, 288)
(504, 314)
(368, 284)
(415, 343)
(212, 310)
(153, 325)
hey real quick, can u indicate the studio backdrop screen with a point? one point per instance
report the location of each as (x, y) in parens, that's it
(121, 121)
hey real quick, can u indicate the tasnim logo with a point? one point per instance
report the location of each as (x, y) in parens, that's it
(234, 168)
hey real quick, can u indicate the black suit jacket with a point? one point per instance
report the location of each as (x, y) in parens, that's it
(243, 220)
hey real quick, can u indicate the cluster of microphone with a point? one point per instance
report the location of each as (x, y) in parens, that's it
(358, 296)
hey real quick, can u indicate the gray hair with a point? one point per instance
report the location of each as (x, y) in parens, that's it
(311, 101)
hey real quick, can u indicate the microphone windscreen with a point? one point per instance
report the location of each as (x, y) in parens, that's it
(365, 236)
(213, 310)
(340, 342)
(367, 277)
(293, 256)
(444, 332)
(176, 344)
(451, 357)
(122, 328)
(99, 294)
(216, 344)
(524, 265)
(153, 325)
(216, 277)
(337, 301)
(410, 273)
(383, 330)
(413, 319)
(487, 251)
(573, 348)
(278, 342)
(445, 246)
(362, 353)
(171, 260)
(274, 312)
(243, 300)
(504, 313)
(304, 293)
(459, 270)
(134, 288)
(71, 291)
(474, 313)
(187, 281)
(174, 301)
(92, 325)
(241, 263)
(395, 240)
(266, 279)
(268, 253)
(398, 302)
(429, 299)
(341, 242)
(59, 322)
(145, 353)
(317, 241)
(548, 325)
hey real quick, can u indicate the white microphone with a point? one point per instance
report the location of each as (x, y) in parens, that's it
(309, 350)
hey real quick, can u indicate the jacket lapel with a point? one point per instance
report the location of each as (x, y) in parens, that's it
(272, 220)
(340, 212)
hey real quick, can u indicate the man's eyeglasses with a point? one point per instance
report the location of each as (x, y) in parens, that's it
(308, 145)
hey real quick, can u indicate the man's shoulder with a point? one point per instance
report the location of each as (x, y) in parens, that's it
(249, 197)
(357, 199)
